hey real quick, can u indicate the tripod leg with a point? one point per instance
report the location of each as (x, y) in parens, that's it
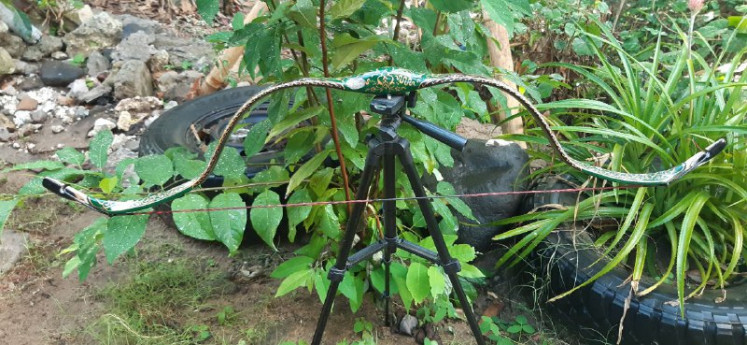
(450, 266)
(390, 227)
(356, 216)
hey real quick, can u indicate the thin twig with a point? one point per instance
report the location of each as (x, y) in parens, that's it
(396, 27)
(333, 119)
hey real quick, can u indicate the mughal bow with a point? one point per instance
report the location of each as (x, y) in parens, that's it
(381, 82)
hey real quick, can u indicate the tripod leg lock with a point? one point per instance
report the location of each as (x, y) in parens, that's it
(452, 267)
(336, 275)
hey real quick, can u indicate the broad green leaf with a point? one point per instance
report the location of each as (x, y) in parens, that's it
(445, 188)
(418, 282)
(35, 165)
(321, 284)
(230, 165)
(399, 275)
(436, 281)
(191, 222)
(6, 207)
(289, 122)
(294, 281)
(686, 231)
(348, 48)
(344, 8)
(470, 271)
(265, 220)
(154, 170)
(108, 184)
(70, 155)
(328, 222)
(122, 234)
(98, 148)
(291, 266)
(35, 185)
(208, 9)
(500, 12)
(463, 252)
(306, 170)
(297, 214)
(452, 5)
(255, 139)
(319, 182)
(229, 224)
(87, 242)
(188, 168)
(352, 288)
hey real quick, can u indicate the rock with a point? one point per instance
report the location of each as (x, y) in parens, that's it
(138, 46)
(45, 47)
(78, 16)
(101, 125)
(176, 86)
(59, 73)
(7, 65)
(78, 88)
(23, 67)
(482, 167)
(59, 56)
(98, 92)
(6, 135)
(31, 82)
(158, 61)
(97, 64)
(132, 79)
(169, 105)
(65, 101)
(100, 31)
(81, 112)
(132, 24)
(21, 117)
(3, 27)
(12, 248)
(407, 324)
(183, 50)
(39, 116)
(9, 90)
(28, 129)
(13, 44)
(57, 129)
(138, 104)
(6, 123)
(27, 103)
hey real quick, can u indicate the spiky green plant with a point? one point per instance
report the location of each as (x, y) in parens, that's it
(651, 115)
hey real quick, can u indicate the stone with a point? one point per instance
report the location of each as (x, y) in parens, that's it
(21, 117)
(57, 129)
(3, 27)
(101, 125)
(132, 24)
(14, 45)
(13, 246)
(59, 56)
(78, 88)
(9, 90)
(100, 31)
(133, 79)
(158, 61)
(39, 116)
(138, 104)
(98, 92)
(31, 82)
(176, 86)
(78, 16)
(169, 105)
(7, 65)
(81, 112)
(6, 135)
(483, 167)
(407, 324)
(45, 47)
(97, 64)
(59, 73)
(138, 46)
(7, 123)
(65, 101)
(183, 50)
(23, 67)
(27, 129)
(27, 103)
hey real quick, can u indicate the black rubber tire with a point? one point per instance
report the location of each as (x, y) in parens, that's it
(172, 128)
(653, 319)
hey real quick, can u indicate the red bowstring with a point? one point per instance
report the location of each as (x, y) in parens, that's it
(324, 203)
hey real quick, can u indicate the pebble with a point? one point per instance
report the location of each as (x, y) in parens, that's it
(100, 125)
(59, 73)
(170, 104)
(6, 135)
(58, 55)
(57, 129)
(27, 103)
(16, 145)
(21, 117)
(408, 324)
(38, 116)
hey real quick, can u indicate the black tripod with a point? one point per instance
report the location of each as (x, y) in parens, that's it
(381, 155)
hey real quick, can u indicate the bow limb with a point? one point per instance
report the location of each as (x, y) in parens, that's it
(114, 207)
(663, 177)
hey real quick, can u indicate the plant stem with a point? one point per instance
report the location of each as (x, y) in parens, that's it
(333, 119)
(396, 27)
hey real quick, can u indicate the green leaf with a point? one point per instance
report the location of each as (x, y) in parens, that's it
(306, 170)
(445, 188)
(6, 207)
(292, 266)
(255, 139)
(265, 220)
(230, 164)
(297, 214)
(399, 275)
(98, 148)
(328, 222)
(154, 170)
(87, 243)
(418, 282)
(195, 224)
(436, 281)
(352, 288)
(463, 252)
(228, 225)
(122, 234)
(344, 8)
(70, 155)
(108, 184)
(185, 165)
(498, 11)
(470, 271)
(208, 9)
(348, 48)
(35, 165)
(294, 281)
(453, 5)
(289, 122)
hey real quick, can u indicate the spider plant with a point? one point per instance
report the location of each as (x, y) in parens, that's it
(651, 115)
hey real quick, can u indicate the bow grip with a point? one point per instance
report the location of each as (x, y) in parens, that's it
(383, 81)
(713, 149)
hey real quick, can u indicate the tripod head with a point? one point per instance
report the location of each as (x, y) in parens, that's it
(392, 109)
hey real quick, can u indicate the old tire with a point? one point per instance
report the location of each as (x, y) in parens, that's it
(653, 319)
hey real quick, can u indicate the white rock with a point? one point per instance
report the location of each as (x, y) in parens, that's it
(100, 125)
(77, 88)
(30, 146)
(58, 55)
(124, 121)
(57, 129)
(59, 146)
(170, 105)
(16, 145)
(21, 117)
(81, 112)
